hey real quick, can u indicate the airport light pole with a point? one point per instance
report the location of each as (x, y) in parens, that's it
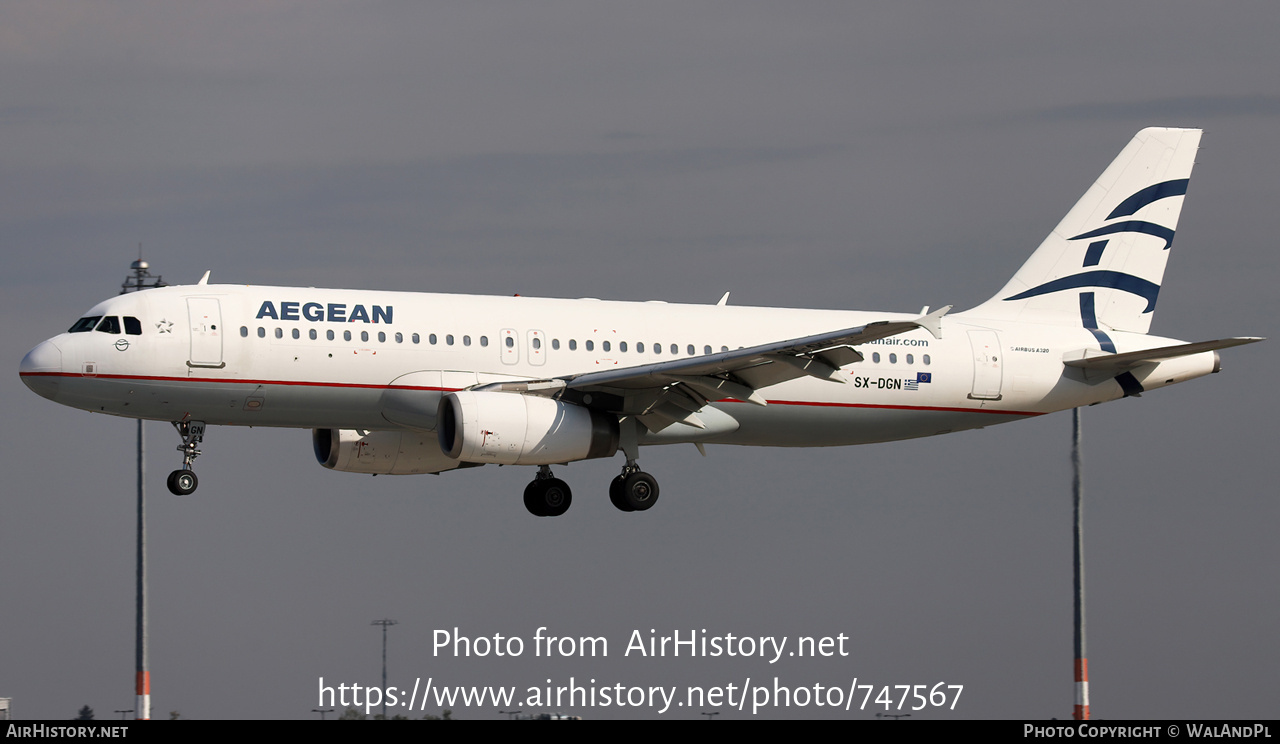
(140, 280)
(1081, 709)
(385, 623)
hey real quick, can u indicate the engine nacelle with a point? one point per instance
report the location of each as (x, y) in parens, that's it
(380, 452)
(518, 429)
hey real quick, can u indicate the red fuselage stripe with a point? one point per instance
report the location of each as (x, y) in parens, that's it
(372, 386)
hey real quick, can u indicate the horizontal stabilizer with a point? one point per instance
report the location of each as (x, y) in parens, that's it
(1102, 361)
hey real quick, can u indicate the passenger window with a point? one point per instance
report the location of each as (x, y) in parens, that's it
(724, 348)
(537, 343)
(262, 332)
(244, 331)
(511, 342)
(675, 349)
(312, 334)
(109, 324)
(622, 345)
(132, 326)
(893, 359)
(346, 335)
(399, 338)
(657, 348)
(640, 347)
(279, 333)
(706, 350)
(432, 339)
(604, 345)
(296, 333)
(328, 335)
(573, 344)
(364, 335)
(382, 337)
(875, 357)
(691, 350)
(484, 341)
(448, 339)
(926, 359)
(555, 344)
(591, 345)
(466, 341)
(85, 324)
(416, 338)
(911, 359)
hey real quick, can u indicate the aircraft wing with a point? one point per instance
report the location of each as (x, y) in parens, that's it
(663, 393)
(1104, 362)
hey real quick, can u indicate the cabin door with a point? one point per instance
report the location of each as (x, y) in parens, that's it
(987, 365)
(206, 332)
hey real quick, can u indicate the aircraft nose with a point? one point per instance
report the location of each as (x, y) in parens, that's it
(40, 369)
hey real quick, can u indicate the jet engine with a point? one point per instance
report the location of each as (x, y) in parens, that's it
(518, 429)
(380, 452)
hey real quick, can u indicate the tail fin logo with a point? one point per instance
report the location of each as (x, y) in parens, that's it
(1093, 254)
(1130, 206)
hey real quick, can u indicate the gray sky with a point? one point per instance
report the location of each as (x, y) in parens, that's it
(815, 155)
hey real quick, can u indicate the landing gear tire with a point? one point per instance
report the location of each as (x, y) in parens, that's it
(556, 497)
(547, 497)
(182, 482)
(533, 499)
(639, 491)
(615, 494)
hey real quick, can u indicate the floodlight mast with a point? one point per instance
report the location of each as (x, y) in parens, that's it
(385, 623)
(141, 279)
(1081, 709)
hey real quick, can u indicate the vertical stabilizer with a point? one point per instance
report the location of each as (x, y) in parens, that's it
(1102, 266)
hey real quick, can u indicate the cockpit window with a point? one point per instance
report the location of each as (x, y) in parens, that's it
(132, 326)
(109, 324)
(85, 324)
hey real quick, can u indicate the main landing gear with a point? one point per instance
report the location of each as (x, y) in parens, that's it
(633, 490)
(183, 482)
(548, 496)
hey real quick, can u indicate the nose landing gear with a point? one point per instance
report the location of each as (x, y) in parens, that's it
(183, 482)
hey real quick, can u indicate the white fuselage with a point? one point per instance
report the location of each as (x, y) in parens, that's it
(368, 360)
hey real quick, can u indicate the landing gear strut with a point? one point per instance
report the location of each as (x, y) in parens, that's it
(546, 495)
(183, 482)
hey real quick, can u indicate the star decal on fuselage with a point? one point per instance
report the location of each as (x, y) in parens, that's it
(164, 326)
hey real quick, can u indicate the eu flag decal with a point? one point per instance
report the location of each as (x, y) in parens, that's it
(915, 384)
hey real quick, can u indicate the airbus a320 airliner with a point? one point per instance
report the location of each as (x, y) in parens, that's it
(400, 383)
